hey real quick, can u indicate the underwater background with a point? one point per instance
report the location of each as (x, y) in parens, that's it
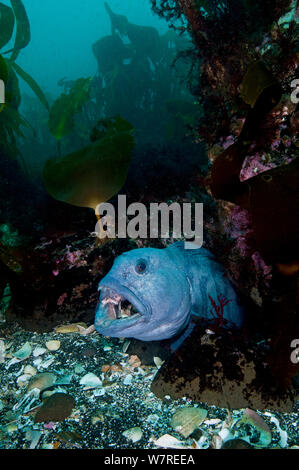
(163, 101)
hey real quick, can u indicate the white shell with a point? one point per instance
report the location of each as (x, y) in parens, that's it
(38, 351)
(53, 345)
(169, 442)
(23, 380)
(30, 370)
(90, 380)
(133, 434)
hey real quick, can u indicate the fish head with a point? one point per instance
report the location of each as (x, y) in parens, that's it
(145, 295)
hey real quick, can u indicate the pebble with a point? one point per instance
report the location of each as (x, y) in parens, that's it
(128, 379)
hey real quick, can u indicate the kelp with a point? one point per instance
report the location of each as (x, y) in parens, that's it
(118, 22)
(145, 39)
(109, 51)
(23, 34)
(32, 84)
(139, 51)
(95, 173)
(63, 110)
(227, 37)
(7, 24)
(257, 81)
(3, 70)
(11, 121)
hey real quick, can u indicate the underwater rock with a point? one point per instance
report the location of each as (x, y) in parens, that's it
(148, 350)
(57, 407)
(187, 419)
(272, 196)
(225, 370)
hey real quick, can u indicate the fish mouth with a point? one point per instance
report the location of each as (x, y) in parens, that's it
(119, 308)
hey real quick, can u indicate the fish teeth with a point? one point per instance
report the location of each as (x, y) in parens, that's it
(117, 309)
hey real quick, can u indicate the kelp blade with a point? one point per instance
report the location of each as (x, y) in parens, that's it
(7, 23)
(32, 83)
(92, 175)
(23, 34)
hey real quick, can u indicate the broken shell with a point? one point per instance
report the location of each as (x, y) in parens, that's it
(24, 352)
(261, 433)
(42, 381)
(187, 419)
(158, 361)
(169, 442)
(29, 370)
(53, 345)
(97, 419)
(133, 434)
(10, 428)
(38, 351)
(23, 380)
(90, 380)
(47, 362)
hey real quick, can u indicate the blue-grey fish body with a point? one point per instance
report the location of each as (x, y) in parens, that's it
(150, 294)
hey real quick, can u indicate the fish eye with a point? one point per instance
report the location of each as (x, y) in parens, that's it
(140, 267)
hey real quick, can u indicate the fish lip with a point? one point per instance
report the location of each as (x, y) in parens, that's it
(127, 293)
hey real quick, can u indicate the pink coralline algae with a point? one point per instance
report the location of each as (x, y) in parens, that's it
(74, 258)
(61, 299)
(239, 229)
(69, 260)
(260, 265)
(254, 165)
